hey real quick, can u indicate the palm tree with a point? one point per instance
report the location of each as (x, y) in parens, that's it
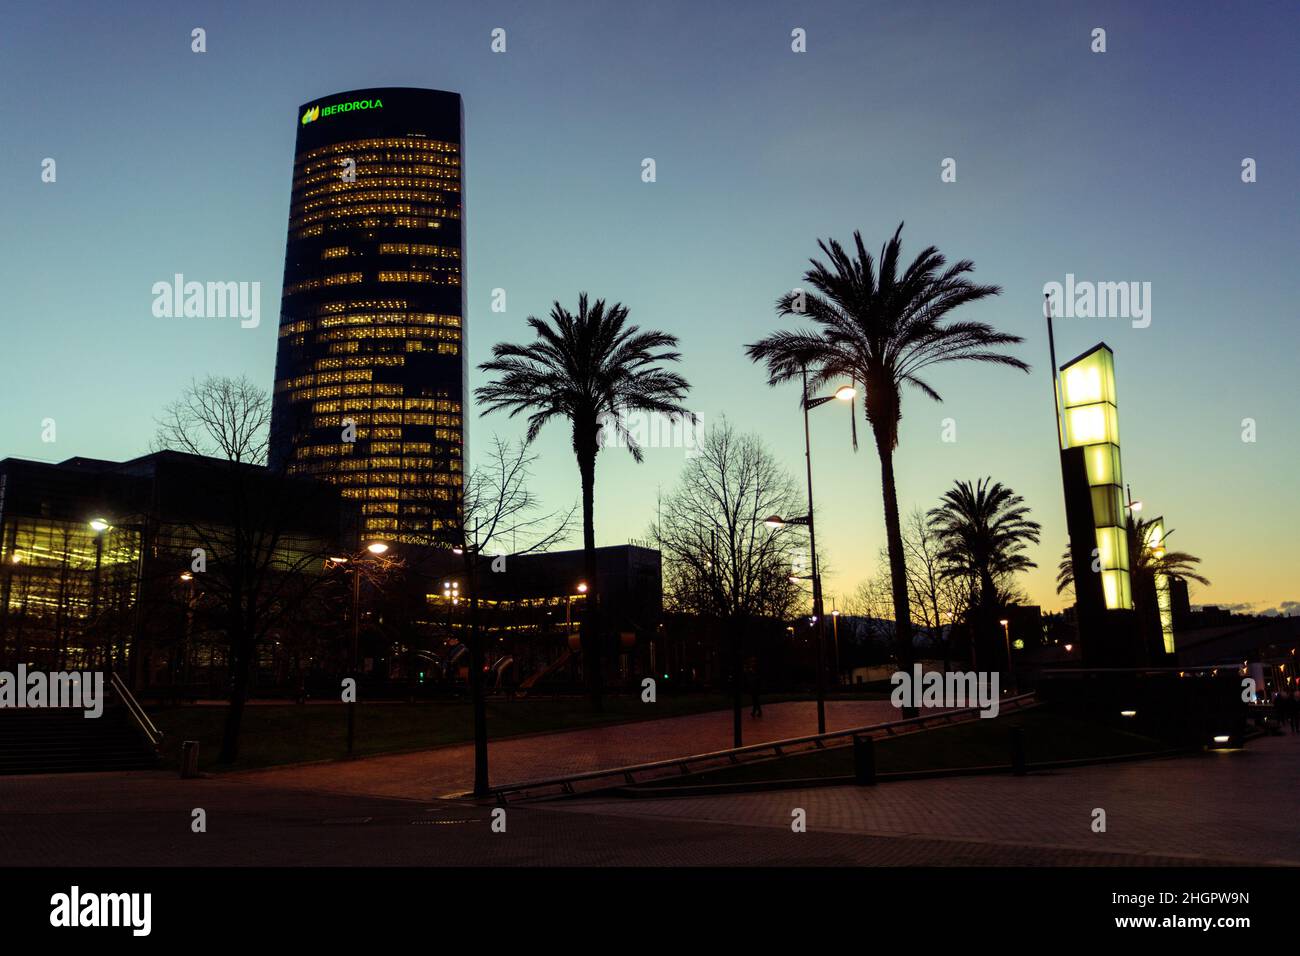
(1145, 564)
(590, 368)
(983, 529)
(884, 330)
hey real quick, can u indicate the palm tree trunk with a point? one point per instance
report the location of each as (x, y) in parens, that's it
(993, 648)
(897, 562)
(590, 638)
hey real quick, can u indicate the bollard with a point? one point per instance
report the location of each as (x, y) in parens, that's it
(189, 759)
(1018, 751)
(864, 761)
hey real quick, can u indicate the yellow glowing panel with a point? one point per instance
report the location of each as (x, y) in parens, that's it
(1115, 588)
(1101, 465)
(1085, 425)
(1107, 507)
(1108, 547)
(1083, 385)
(1089, 379)
(1110, 588)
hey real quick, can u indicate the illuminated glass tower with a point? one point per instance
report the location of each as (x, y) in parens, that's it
(1091, 424)
(370, 368)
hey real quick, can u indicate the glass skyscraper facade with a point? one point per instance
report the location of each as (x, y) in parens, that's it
(370, 367)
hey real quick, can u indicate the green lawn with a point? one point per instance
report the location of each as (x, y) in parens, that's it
(293, 733)
(978, 743)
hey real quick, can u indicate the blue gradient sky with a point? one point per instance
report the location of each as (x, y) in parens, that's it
(1116, 166)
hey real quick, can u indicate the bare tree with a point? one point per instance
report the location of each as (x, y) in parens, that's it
(938, 601)
(872, 598)
(498, 507)
(218, 418)
(263, 536)
(721, 561)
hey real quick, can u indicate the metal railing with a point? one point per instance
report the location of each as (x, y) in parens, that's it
(147, 727)
(565, 785)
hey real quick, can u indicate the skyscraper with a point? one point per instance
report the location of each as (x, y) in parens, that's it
(370, 368)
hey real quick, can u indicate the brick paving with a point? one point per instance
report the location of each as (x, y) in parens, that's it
(449, 770)
(144, 819)
(1212, 809)
(1242, 806)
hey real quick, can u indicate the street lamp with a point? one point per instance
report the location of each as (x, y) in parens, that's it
(1006, 635)
(568, 610)
(183, 673)
(845, 393)
(471, 554)
(375, 548)
(835, 626)
(99, 526)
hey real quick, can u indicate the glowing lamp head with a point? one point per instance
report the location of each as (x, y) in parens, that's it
(99, 524)
(775, 521)
(846, 393)
(186, 576)
(582, 587)
(377, 547)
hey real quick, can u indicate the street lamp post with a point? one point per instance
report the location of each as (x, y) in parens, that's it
(470, 553)
(1006, 636)
(568, 609)
(183, 672)
(835, 626)
(99, 526)
(375, 548)
(844, 393)
(142, 527)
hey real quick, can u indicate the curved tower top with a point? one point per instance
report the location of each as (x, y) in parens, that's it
(370, 367)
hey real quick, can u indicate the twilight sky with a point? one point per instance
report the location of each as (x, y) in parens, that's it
(1115, 166)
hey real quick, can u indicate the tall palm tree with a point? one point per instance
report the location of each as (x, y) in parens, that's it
(983, 529)
(883, 329)
(592, 369)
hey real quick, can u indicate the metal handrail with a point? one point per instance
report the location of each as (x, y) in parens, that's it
(147, 727)
(1018, 702)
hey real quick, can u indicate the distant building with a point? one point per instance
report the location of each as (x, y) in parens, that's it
(93, 552)
(95, 572)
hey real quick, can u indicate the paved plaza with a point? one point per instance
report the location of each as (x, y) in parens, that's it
(448, 771)
(1229, 808)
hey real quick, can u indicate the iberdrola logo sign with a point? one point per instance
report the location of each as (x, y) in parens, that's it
(316, 112)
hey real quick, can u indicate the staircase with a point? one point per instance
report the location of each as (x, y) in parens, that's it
(61, 740)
